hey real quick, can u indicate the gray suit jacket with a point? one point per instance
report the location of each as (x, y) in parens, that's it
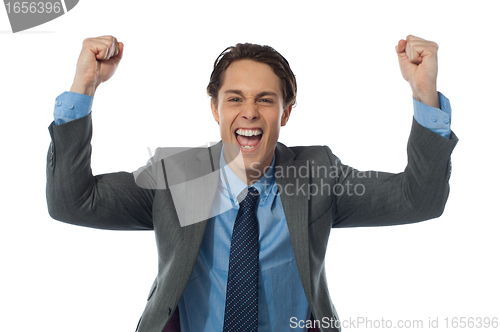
(313, 186)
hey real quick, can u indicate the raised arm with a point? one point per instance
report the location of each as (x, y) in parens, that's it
(74, 194)
(421, 191)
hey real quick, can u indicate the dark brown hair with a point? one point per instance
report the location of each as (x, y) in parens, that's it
(260, 53)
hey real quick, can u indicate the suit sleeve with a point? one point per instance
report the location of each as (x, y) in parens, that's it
(382, 199)
(74, 195)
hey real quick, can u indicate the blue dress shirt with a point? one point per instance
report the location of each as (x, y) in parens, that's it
(281, 295)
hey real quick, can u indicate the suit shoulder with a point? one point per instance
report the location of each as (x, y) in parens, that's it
(311, 150)
(318, 153)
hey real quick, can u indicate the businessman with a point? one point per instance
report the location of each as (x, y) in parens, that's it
(253, 258)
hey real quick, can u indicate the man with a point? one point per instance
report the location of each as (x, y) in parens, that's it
(254, 257)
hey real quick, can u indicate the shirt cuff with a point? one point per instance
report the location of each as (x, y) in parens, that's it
(436, 119)
(70, 106)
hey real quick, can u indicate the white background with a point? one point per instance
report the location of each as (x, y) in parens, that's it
(57, 277)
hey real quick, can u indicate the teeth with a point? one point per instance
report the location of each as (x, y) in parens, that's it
(248, 132)
(247, 147)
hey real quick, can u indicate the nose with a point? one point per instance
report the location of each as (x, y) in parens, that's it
(250, 111)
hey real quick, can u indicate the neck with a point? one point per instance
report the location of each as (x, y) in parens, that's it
(249, 173)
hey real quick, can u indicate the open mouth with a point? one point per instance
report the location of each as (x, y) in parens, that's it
(248, 139)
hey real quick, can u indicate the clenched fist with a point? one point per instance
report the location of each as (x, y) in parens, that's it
(418, 64)
(97, 63)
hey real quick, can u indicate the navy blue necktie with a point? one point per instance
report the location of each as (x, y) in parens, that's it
(243, 275)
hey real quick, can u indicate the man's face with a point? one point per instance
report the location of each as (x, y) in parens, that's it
(250, 113)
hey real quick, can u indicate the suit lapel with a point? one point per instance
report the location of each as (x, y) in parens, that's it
(209, 163)
(192, 234)
(193, 182)
(292, 178)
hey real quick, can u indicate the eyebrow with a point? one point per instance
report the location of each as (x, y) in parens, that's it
(261, 94)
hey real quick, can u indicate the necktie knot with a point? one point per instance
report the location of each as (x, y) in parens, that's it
(248, 198)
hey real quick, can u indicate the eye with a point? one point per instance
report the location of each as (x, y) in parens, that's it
(235, 99)
(265, 100)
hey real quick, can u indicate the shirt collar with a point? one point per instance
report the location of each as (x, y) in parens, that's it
(232, 185)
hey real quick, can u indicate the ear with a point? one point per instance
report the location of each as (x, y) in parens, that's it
(215, 111)
(286, 115)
